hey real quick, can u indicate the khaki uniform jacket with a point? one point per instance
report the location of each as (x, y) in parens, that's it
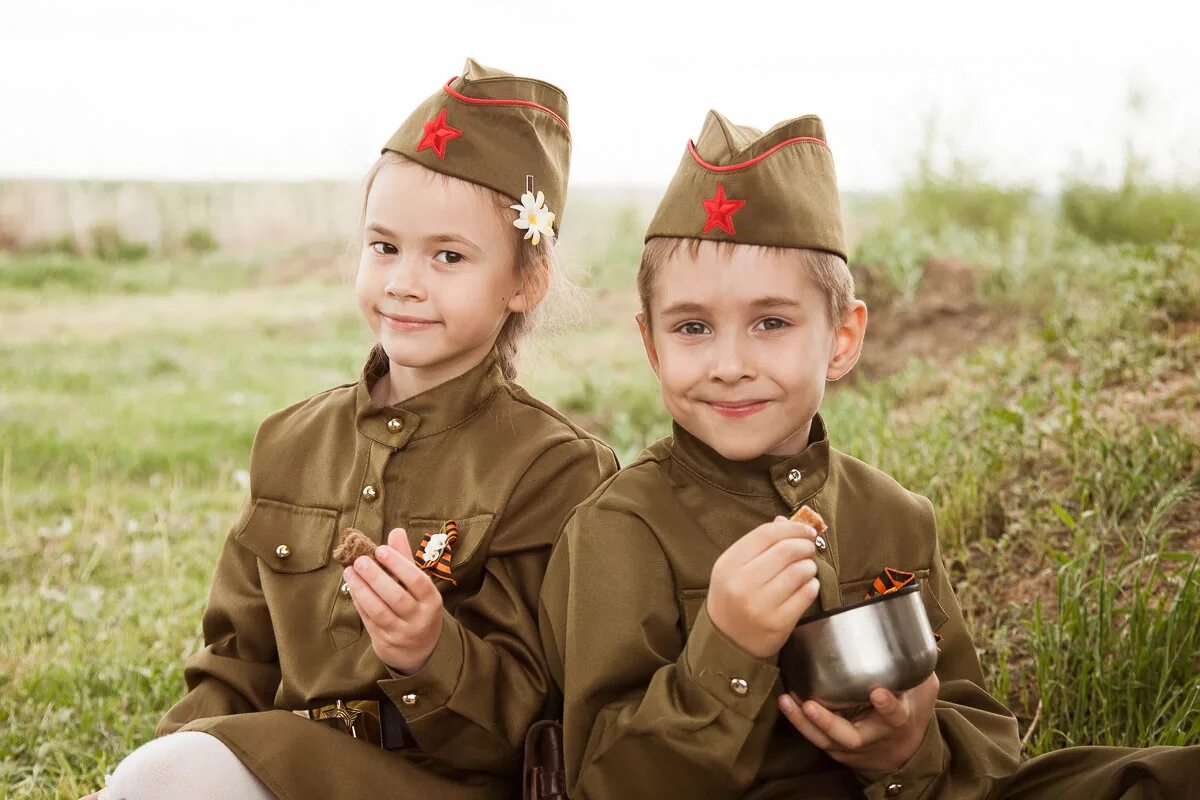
(280, 634)
(649, 709)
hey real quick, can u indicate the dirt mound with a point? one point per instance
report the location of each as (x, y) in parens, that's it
(943, 321)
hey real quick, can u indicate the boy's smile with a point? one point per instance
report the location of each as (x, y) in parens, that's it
(742, 345)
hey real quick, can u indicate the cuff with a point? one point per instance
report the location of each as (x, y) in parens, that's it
(740, 681)
(912, 779)
(431, 687)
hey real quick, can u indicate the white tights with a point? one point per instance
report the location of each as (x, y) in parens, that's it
(188, 765)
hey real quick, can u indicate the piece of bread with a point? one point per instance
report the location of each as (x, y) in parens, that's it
(354, 544)
(811, 518)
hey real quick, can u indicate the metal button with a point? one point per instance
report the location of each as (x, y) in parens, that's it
(345, 588)
(369, 493)
(893, 790)
(739, 686)
(283, 551)
(821, 544)
(395, 425)
(409, 699)
(794, 476)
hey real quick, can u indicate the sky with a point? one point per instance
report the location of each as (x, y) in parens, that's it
(1029, 92)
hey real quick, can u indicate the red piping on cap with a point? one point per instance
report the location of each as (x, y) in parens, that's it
(483, 102)
(734, 167)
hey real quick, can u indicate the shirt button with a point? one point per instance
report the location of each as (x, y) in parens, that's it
(409, 699)
(283, 551)
(395, 425)
(739, 686)
(369, 493)
(821, 544)
(345, 588)
(893, 790)
(794, 476)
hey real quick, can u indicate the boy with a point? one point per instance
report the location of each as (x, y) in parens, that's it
(673, 588)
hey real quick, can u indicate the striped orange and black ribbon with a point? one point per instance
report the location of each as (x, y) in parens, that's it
(890, 580)
(441, 567)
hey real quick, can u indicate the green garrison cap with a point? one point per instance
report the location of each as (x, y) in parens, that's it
(500, 131)
(738, 184)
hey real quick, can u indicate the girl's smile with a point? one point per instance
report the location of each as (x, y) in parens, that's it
(407, 324)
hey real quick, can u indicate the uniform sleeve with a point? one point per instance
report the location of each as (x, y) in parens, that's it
(972, 739)
(238, 669)
(646, 712)
(486, 681)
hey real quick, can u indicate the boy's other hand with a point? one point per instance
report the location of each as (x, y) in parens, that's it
(882, 738)
(399, 605)
(762, 584)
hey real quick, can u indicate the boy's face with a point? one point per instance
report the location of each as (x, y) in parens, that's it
(436, 279)
(742, 346)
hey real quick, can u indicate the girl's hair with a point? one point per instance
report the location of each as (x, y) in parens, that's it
(828, 272)
(560, 291)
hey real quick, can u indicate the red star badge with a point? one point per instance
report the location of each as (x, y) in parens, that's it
(437, 133)
(720, 210)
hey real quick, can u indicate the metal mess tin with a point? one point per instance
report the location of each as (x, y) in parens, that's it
(839, 656)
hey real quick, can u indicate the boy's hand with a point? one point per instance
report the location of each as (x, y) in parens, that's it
(762, 584)
(882, 738)
(404, 620)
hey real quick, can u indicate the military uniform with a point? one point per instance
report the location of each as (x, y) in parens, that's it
(285, 649)
(659, 703)
(281, 633)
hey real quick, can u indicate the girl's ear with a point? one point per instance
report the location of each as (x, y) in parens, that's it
(848, 341)
(533, 289)
(647, 341)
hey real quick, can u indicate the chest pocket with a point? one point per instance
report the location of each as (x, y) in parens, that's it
(855, 591)
(289, 538)
(468, 551)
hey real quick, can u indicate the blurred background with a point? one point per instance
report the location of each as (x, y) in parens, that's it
(179, 194)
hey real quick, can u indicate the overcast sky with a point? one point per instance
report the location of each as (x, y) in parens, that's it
(259, 89)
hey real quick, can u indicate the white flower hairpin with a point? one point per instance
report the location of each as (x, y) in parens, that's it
(533, 217)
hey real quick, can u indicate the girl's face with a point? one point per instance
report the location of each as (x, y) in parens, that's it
(436, 279)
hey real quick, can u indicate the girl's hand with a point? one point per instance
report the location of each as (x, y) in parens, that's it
(883, 738)
(398, 603)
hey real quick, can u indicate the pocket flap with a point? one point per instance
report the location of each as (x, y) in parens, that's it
(287, 537)
(690, 603)
(472, 532)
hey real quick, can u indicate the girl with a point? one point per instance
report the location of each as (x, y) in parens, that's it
(415, 671)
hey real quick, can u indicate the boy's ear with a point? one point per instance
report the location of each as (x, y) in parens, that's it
(533, 290)
(647, 341)
(848, 341)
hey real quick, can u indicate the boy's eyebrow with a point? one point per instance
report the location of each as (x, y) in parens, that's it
(774, 302)
(769, 302)
(381, 229)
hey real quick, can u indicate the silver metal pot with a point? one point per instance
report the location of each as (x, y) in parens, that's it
(839, 656)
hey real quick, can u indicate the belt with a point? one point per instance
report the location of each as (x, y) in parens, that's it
(376, 722)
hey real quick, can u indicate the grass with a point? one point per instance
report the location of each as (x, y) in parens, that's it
(1061, 458)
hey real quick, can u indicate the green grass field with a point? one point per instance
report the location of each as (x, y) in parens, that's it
(1040, 383)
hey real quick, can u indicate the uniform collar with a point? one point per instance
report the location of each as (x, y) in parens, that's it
(426, 414)
(793, 478)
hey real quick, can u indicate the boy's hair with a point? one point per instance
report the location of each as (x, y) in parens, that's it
(527, 262)
(828, 272)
